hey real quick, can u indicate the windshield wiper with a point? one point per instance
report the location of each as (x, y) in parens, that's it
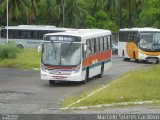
(70, 45)
(55, 50)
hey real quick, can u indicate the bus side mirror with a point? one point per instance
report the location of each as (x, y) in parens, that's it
(39, 48)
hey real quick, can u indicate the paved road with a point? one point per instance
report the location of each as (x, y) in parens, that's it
(22, 91)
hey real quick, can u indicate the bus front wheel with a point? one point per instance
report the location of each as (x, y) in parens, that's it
(51, 82)
(124, 58)
(20, 46)
(86, 77)
(136, 60)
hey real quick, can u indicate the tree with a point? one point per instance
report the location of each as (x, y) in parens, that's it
(111, 7)
(73, 13)
(33, 2)
(151, 14)
(16, 8)
(100, 20)
(132, 6)
(94, 8)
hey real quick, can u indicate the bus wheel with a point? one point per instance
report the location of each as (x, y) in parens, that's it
(20, 46)
(124, 58)
(51, 82)
(102, 71)
(136, 60)
(86, 77)
(157, 61)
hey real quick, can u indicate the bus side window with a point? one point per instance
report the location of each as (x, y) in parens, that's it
(25, 34)
(97, 45)
(109, 42)
(136, 37)
(105, 42)
(122, 36)
(88, 51)
(19, 34)
(83, 51)
(38, 34)
(130, 36)
(92, 46)
(15, 34)
(10, 33)
(3, 33)
(101, 44)
(22, 34)
(28, 34)
(32, 34)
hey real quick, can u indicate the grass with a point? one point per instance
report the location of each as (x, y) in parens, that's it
(141, 85)
(8, 51)
(26, 59)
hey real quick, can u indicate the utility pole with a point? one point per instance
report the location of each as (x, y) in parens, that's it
(7, 22)
(62, 13)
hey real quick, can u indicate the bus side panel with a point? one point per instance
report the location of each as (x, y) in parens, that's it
(23, 42)
(26, 42)
(121, 48)
(132, 50)
(127, 49)
(94, 63)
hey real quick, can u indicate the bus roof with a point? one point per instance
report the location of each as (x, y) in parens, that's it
(83, 32)
(140, 29)
(33, 27)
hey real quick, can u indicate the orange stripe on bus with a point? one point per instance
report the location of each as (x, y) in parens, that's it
(151, 53)
(97, 58)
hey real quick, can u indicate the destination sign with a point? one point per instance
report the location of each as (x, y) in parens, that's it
(63, 38)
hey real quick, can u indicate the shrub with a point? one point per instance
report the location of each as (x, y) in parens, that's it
(8, 51)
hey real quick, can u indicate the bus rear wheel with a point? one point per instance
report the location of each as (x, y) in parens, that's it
(102, 71)
(51, 82)
(136, 60)
(124, 58)
(86, 77)
(157, 61)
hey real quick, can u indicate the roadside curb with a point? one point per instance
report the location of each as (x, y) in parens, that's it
(111, 105)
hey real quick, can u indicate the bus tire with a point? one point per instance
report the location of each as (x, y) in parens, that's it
(51, 82)
(102, 71)
(86, 77)
(20, 46)
(157, 61)
(123, 57)
(136, 60)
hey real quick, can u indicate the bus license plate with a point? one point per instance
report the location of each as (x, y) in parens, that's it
(59, 77)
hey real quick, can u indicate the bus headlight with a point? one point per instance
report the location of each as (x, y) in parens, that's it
(76, 70)
(42, 68)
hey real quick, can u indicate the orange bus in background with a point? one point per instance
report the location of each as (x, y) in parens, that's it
(139, 44)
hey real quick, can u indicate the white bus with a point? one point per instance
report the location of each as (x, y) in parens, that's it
(75, 55)
(26, 35)
(139, 44)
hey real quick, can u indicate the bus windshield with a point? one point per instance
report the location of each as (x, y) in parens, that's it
(61, 53)
(150, 41)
